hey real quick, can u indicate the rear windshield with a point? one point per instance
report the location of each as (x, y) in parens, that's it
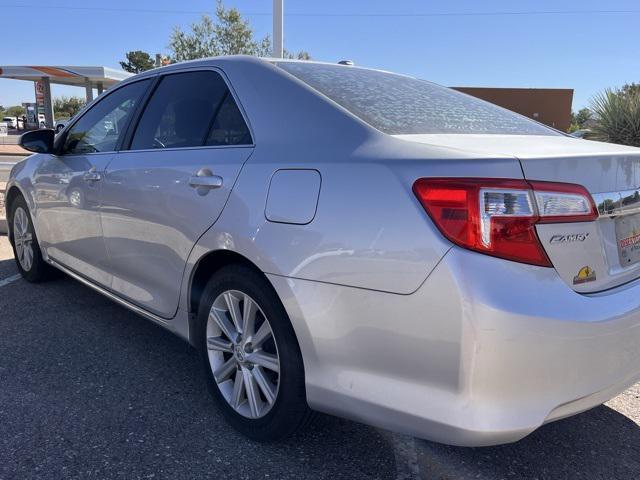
(400, 105)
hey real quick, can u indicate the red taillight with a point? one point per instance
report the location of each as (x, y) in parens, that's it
(498, 217)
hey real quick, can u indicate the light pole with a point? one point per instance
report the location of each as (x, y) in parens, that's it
(278, 28)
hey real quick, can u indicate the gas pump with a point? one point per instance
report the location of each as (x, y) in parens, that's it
(31, 110)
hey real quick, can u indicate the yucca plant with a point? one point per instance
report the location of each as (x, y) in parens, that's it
(617, 116)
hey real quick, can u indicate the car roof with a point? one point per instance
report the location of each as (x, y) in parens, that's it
(249, 59)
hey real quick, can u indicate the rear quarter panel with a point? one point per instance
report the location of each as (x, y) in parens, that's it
(369, 231)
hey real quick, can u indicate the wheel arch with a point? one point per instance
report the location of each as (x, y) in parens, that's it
(207, 266)
(211, 262)
(13, 193)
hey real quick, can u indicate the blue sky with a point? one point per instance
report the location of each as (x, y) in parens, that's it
(587, 52)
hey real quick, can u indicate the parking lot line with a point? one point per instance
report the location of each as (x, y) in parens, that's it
(404, 449)
(8, 280)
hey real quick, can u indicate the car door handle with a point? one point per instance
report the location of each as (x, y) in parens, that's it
(92, 175)
(205, 180)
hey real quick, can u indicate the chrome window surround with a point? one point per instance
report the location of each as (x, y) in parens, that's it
(613, 204)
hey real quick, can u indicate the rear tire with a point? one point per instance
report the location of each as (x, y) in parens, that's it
(24, 242)
(246, 338)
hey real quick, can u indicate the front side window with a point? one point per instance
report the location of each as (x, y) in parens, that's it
(400, 105)
(101, 128)
(190, 109)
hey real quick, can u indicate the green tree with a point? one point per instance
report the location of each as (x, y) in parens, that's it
(229, 34)
(630, 89)
(137, 61)
(15, 111)
(579, 120)
(66, 107)
(301, 55)
(582, 117)
(617, 117)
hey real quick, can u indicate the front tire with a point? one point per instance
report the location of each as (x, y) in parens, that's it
(24, 242)
(251, 355)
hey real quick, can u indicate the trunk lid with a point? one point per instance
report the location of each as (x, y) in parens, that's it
(589, 256)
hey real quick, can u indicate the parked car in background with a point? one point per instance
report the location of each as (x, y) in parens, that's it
(60, 124)
(584, 133)
(348, 240)
(12, 122)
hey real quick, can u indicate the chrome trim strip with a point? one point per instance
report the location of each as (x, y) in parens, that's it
(613, 204)
(134, 308)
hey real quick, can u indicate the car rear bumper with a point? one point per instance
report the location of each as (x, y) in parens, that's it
(483, 353)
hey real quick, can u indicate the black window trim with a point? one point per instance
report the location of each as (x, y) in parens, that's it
(135, 120)
(62, 139)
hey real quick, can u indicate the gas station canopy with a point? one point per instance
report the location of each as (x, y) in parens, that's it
(99, 78)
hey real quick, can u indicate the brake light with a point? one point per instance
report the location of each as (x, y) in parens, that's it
(498, 217)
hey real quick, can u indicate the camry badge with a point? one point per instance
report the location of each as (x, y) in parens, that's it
(573, 237)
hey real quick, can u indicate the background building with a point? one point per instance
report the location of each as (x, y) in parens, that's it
(551, 106)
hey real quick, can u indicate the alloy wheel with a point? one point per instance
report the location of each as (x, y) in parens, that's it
(23, 239)
(243, 354)
(75, 198)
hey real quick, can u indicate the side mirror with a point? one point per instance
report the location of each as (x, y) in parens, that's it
(38, 141)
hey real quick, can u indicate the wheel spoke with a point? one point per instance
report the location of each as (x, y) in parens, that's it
(22, 221)
(19, 247)
(253, 396)
(227, 328)
(225, 370)
(261, 335)
(238, 389)
(233, 305)
(248, 316)
(28, 257)
(17, 222)
(219, 344)
(265, 360)
(268, 389)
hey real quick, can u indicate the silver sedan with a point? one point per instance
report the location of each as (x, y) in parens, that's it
(350, 241)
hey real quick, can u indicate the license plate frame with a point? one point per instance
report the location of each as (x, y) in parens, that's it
(628, 239)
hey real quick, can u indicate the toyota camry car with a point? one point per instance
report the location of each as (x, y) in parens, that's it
(351, 241)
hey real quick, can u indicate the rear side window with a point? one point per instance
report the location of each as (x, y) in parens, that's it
(100, 129)
(400, 105)
(229, 127)
(190, 110)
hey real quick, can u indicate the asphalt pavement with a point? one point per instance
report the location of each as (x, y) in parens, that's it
(10, 158)
(89, 390)
(12, 138)
(6, 164)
